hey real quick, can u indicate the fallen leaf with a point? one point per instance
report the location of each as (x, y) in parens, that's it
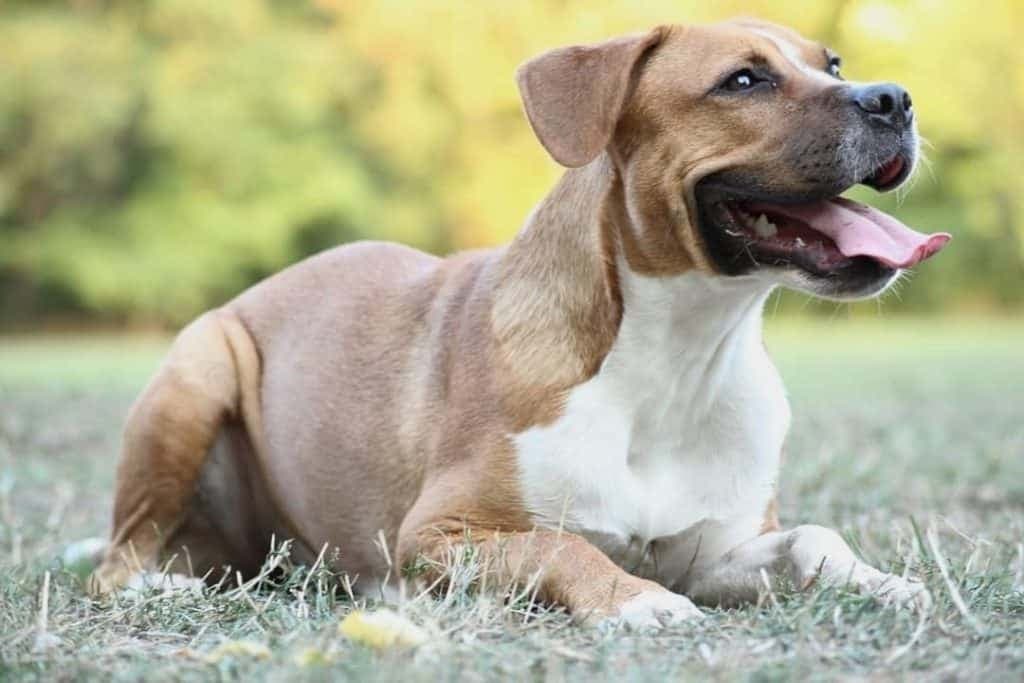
(382, 629)
(238, 648)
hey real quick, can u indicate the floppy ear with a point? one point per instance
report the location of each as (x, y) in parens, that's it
(574, 96)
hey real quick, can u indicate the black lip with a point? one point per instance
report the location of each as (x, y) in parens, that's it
(895, 182)
(711, 190)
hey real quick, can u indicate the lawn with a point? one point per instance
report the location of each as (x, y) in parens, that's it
(908, 436)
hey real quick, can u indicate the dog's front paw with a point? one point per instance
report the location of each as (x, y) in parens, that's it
(655, 609)
(820, 555)
(889, 589)
(895, 590)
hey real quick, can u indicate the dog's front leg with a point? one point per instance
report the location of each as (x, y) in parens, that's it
(807, 554)
(564, 568)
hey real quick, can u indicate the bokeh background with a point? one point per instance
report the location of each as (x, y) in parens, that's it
(158, 156)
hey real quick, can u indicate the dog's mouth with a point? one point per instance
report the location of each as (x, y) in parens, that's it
(826, 236)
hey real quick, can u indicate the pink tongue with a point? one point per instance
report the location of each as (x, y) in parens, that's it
(859, 230)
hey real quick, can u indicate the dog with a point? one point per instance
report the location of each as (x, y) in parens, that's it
(591, 407)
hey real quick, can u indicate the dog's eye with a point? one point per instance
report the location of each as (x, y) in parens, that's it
(743, 79)
(834, 65)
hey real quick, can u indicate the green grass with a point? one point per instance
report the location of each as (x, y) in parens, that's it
(908, 436)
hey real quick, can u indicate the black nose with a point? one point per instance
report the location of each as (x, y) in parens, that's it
(886, 103)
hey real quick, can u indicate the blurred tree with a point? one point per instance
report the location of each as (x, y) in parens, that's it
(157, 160)
(158, 156)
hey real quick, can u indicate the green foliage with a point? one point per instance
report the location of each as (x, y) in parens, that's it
(157, 157)
(157, 161)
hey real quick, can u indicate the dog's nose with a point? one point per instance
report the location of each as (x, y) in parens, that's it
(886, 103)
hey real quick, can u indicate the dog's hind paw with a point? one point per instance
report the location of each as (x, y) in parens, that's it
(140, 583)
(143, 582)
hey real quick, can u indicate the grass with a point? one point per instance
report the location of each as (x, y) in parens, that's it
(908, 437)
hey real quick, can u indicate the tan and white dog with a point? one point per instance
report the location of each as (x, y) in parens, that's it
(591, 406)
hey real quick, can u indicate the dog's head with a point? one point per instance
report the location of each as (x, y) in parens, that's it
(733, 143)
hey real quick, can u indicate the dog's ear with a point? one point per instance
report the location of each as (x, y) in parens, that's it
(574, 96)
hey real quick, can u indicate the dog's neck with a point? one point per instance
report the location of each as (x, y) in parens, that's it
(569, 278)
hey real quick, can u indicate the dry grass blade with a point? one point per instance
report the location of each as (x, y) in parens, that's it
(954, 592)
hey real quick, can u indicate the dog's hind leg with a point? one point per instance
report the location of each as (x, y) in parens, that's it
(209, 377)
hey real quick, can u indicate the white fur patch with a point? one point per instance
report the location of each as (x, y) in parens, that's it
(820, 554)
(793, 56)
(145, 582)
(656, 609)
(673, 447)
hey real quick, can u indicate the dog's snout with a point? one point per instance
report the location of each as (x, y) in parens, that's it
(885, 102)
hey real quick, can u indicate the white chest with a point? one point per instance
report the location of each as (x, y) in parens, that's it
(676, 439)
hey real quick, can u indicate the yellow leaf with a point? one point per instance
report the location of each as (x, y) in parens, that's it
(238, 648)
(313, 656)
(381, 630)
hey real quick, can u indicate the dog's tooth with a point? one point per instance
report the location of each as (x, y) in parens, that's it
(800, 242)
(764, 227)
